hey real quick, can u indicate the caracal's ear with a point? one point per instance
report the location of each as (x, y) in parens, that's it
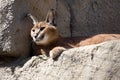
(50, 16)
(33, 18)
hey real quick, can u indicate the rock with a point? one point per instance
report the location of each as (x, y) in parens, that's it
(94, 17)
(14, 28)
(94, 62)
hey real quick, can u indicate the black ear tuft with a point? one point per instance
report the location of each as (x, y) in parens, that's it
(51, 17)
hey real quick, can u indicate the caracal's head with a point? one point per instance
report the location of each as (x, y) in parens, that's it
(43, 32)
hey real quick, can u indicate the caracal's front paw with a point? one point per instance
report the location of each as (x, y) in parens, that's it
(55, 52)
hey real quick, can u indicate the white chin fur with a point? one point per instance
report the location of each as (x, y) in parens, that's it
(42, 42)
(34, 39)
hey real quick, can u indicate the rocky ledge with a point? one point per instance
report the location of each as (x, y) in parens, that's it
(94, 62)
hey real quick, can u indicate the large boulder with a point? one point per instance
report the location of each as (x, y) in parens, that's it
(14, 28)
(95, 62)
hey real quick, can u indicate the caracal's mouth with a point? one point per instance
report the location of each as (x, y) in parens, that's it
(39, 37)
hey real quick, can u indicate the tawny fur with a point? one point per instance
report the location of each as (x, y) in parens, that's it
(49, 42)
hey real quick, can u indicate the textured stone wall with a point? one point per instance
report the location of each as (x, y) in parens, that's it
(14, 28)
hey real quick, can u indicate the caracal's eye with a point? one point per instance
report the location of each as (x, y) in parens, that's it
(42, 28)
(33, 30)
